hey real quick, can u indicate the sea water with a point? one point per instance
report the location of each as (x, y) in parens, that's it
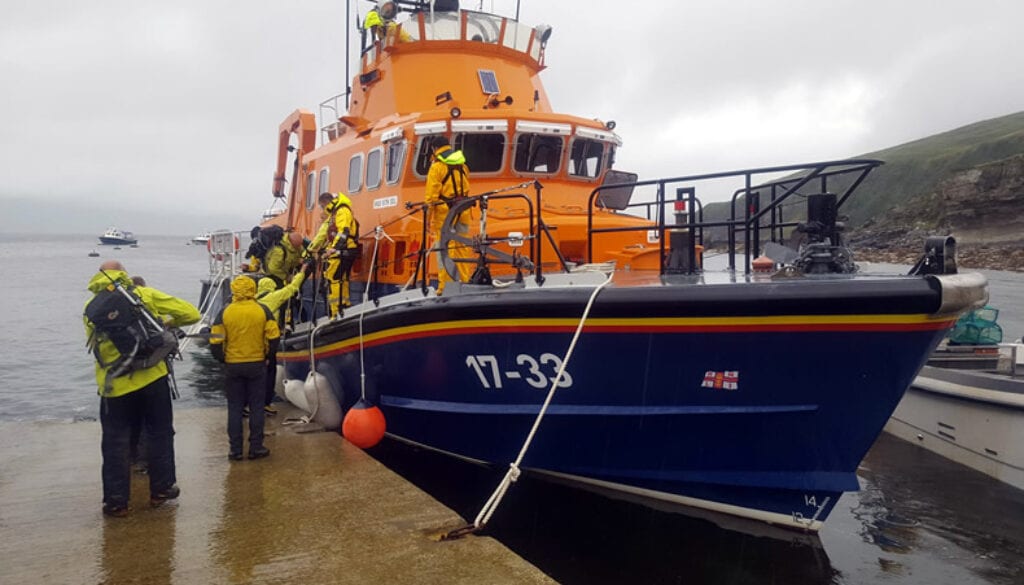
(46, 372)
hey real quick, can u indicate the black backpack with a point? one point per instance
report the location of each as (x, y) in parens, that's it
(263, 239)
(119, 315)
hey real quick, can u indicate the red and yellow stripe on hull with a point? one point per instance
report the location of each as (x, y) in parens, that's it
(655, 325)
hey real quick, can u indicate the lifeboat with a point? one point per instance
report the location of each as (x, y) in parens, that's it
(597, 315)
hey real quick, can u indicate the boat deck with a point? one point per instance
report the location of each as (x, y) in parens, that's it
(317, 510)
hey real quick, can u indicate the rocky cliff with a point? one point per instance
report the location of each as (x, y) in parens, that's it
(983, 207)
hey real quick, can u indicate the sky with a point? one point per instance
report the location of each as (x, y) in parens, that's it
(161, 117)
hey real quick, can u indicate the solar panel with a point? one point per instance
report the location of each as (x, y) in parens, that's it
(488, 81)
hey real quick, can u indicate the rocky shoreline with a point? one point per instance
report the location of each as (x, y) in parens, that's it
(977, 256)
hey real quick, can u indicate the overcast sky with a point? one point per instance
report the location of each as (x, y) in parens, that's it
(162, 115)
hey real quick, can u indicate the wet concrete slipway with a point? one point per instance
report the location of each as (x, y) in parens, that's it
(318, 510)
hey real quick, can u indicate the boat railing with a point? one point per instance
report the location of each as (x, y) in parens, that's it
(464, 25)
(332, 109)
(765, 193)
(225, 255)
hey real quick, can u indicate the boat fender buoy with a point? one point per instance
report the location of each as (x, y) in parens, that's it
(295, 392)
(322, 400)
(364, 425)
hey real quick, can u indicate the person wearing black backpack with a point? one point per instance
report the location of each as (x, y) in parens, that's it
(447, 181)
(126, 331)
(275, 253)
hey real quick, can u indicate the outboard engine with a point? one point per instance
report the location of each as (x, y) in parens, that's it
(823, 251)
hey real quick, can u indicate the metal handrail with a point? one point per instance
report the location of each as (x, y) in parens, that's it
(751, 221)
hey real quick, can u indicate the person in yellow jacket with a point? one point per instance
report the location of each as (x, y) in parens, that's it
(268, 295)
(339, 235)
(281, 260)
(242, 336)
(448, 179)
(380, 21)
(137, 397)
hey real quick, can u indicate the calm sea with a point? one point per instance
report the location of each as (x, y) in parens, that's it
(918, 518)
(45, 370)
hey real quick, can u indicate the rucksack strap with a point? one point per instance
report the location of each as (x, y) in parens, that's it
(457, 190)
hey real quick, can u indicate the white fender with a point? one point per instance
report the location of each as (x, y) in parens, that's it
(294, 392)
(321, 399)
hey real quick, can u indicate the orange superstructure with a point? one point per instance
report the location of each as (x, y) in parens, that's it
(474, 78)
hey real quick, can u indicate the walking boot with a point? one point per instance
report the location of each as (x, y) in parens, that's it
(155, 499)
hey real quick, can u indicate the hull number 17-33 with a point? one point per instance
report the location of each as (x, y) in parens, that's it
(537, 372)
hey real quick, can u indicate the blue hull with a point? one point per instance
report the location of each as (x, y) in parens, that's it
(107, 241)
(640, 412)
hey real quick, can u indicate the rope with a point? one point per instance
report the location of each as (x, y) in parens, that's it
(513, 472)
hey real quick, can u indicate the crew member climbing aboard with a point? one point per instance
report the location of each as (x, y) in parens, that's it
(447, 180)
(276, 253)
(340, 232)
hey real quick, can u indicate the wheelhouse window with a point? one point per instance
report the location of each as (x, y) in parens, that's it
(395, 160)
(311, 190)
(423, 157)
(374, 164)
(325, 181)
(485, 152)
(355, 173)
(537, 153)
(585, 158)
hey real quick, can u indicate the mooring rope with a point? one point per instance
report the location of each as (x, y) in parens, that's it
(513, 472)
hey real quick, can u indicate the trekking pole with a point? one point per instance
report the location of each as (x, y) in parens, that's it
(135, 301)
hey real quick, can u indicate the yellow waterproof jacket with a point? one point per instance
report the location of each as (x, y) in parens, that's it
(173, 311)
(341, 223)
(441, 185)
(244, 331)
(387, 27)
(269, 297)
(280, 261)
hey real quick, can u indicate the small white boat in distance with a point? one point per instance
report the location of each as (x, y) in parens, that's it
(201, 238)
(116, 237)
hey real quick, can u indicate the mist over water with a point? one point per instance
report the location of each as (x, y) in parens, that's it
(45, 369)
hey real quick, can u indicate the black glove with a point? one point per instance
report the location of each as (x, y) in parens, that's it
(408, 204)
(308, 266)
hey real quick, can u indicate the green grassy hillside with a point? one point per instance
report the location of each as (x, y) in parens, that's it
(917, 167)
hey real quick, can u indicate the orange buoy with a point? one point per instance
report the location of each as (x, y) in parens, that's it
(363, 425)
